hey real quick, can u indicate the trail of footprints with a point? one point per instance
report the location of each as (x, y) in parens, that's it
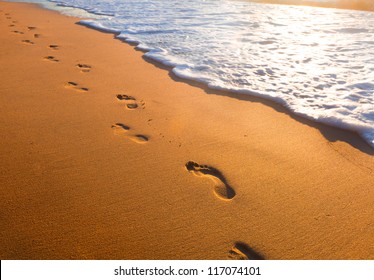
(221, 189)
(131, 104)
(29, 28)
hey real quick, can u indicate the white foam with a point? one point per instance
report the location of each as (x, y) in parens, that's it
(319, 63)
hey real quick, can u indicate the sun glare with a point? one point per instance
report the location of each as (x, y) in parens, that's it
(366, 5)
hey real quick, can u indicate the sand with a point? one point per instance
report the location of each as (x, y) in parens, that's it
(107, 156)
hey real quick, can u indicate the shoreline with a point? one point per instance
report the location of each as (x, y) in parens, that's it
(88, 175)
(345, 134)
(348, 135)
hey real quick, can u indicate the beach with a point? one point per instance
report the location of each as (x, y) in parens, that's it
(105, 155)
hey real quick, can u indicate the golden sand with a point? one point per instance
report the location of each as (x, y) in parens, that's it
(107, 156)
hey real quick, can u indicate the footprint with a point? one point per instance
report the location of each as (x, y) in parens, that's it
(131, 102)
(51, 58)
(120, 128)
(222, 189)
(124, 97)
(54, 47)
(31, 28)
(37, 35)
(84, 67)
(18, 32)
(241, 251)
(74, 85)
(141, 139)
(11, 25)
(28, 42)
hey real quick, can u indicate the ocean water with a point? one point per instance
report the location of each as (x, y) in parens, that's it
(319, 63)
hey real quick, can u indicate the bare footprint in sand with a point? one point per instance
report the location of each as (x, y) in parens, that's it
(85, 68)
(222, 189)
(31, 28)
(74, 85)
(131, 102)
(17, 32)
(125, 97)
(241, 251)
(120, 128)
(37, 36)
(28, 42)
(51, 58)
(140, 139)
(54, 47)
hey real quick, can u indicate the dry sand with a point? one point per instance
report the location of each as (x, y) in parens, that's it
(185, 173)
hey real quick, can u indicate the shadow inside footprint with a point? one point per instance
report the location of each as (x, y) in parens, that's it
(222, 188)
(71, 84)
(120, 128)
(141, 139)
(132, 106)
(241, 251)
